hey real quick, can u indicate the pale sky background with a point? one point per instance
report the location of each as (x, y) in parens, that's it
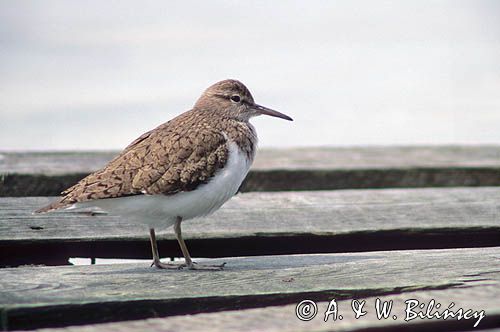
(93, 75)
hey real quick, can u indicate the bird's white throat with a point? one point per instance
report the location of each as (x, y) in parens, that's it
(160, 211)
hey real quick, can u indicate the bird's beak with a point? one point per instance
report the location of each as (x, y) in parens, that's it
(267, 111)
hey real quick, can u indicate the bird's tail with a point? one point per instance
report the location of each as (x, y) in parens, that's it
(52, 206)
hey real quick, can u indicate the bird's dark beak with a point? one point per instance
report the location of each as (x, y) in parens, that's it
(267, 111)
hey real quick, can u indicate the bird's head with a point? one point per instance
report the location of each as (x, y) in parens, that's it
(232, 99)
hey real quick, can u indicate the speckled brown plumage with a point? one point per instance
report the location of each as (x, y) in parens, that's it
(212, 144)
(180, 154)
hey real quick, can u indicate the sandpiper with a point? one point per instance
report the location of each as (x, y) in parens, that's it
(185, 168)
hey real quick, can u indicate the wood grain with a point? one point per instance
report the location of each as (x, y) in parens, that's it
(264, 223)
(410, 157)
(33, 297)
(49, 173)
(282, 318)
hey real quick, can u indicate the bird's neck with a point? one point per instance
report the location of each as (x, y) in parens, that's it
(243, 134)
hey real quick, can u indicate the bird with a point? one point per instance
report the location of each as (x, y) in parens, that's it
(185, 168)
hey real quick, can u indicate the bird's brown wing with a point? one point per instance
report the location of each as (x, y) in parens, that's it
(166, 160)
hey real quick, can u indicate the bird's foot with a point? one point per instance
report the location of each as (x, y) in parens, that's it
(165, 266)
(192, 266)
(196, 266)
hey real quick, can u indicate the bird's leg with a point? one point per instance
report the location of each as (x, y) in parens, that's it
(187, 257)
(182, 244)
(156, 255)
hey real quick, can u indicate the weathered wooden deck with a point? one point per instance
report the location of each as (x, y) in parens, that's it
(38, 296)
(280, 247)
(47, 174)
(264, 224)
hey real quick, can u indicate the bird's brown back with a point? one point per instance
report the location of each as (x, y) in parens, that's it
(177, 156)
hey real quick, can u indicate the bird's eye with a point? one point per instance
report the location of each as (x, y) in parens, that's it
(235, 98)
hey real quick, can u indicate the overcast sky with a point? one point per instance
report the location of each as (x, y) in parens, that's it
(96, 74)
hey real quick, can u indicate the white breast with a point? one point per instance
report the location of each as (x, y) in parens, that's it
(161, 210)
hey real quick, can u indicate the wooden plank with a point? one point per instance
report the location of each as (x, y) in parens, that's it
(48, 173)
(283, 318)
(324, 158)
(32, 297)
(265, 223)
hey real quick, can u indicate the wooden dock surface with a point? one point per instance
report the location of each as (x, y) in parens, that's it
(409, 223)
(321, 158)
(35, 296)
(254, 223)
(283, 318)
(48, 173)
